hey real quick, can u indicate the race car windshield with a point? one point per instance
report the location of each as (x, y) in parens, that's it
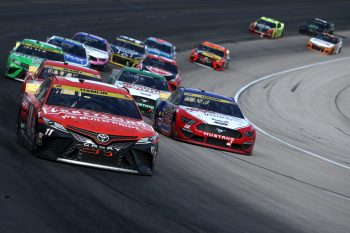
(75, 50)
(133, 47)
(330, 39)
(48, 71)
(211, 50)
(93, 100)
(209, 103)
(317, 26)
(160, 64)
(39, 52)
(92, 42)
(162, 47)
(144, 80)
(266, 23)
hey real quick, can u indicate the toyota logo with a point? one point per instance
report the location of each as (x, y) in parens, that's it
(103, 138)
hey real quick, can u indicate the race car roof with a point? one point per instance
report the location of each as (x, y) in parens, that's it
(161, 58)
(212, 45)
(130, 40)
(66, 40)
(92, 36)
(160, 41)
(270, 19)
(211, 94)
(145, 73)
(73, 67)
(42, 45)
(89, 84)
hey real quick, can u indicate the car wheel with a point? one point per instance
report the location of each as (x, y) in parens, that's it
(172, 130)
(155, 121)
(32, 143)
(20, 131)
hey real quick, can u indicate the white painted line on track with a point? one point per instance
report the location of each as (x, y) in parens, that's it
(240, 91)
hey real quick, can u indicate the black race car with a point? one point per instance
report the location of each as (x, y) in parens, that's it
(316, 26)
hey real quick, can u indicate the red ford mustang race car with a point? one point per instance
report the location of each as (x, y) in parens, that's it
(87, 123)
(162, 66)
(206, 119)
(35, 76)
(212, 55)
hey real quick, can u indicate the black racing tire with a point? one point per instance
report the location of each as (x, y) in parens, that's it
(154, 121)
(32, 142)
(20, 131)
(172, 135)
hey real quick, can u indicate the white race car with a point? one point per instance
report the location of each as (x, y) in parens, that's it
(325, 43)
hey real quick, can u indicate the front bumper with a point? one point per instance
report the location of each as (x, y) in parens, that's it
(216, 65)
(235, 143)
(119, 60)
(16, 71)
(261, 34)
(327, 51)
(98, 61)
(119, 155)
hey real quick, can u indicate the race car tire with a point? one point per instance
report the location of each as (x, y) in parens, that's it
(20, 131)
(339, 51)
(32, 142)
(155, 121)
(172, 131)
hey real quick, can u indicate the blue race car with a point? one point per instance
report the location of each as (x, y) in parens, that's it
(160, 48)
(74, 52)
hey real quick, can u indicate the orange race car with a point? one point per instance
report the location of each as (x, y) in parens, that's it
(211, 55)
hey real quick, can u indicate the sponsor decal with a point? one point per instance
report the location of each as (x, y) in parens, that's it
(42, 48)
(56, 70)
(208, 98)
(220, 122)
(145, 105)
(218, 136)
(96, 117)
(70, 90)
(159, 71)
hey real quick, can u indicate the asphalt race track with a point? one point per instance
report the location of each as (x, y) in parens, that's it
(297, 183)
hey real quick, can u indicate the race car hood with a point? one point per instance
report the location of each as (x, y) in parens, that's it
(217, 119)
(74, 59)
(96, 52)
(126, 52)
(261, 27)
(159, 53)
(321, 43)
(209, 55)
(97, 122)
(157, 70)
(26, 60)
(147, 92)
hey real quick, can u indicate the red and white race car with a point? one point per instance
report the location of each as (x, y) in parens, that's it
(36, 75)
(162, 66)
(87, 123)
(206, 119)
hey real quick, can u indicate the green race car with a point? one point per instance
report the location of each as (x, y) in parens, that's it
(267, 27)
(28, 53)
